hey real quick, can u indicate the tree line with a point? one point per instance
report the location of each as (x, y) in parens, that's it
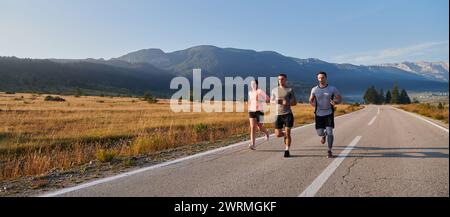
(394, 96)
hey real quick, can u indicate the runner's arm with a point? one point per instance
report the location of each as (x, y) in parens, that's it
(293, 100)
(267, 98)
(338, 97)
(273, 98)
(311, 100)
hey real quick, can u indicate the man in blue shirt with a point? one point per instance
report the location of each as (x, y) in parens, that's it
(323, 98)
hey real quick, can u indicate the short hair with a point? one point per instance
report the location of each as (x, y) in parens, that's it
(283, 75)
(322, 73)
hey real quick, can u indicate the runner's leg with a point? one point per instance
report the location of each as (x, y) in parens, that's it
(264, 130)
(321, 132)
(288, 138)
(252, 130)
(330, 137)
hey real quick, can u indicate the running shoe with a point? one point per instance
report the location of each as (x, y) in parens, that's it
(330, 154)
(286, 153)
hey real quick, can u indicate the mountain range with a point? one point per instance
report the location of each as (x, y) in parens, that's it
(152, 69)
(433, 70)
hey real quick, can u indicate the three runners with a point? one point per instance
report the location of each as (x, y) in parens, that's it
(323, 98)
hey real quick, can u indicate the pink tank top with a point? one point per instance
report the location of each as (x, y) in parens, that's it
(256, 100)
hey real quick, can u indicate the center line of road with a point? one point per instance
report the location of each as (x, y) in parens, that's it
(373, 119)
(323, 177)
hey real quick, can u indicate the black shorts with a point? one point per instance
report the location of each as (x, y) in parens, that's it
(257, 115)
(322, 122)
(286, 120)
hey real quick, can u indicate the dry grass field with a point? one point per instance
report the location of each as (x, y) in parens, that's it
(37, 136)
(435, 111)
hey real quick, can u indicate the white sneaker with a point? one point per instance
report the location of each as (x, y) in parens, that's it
(252, 147)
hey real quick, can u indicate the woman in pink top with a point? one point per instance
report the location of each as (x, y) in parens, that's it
(256, 99)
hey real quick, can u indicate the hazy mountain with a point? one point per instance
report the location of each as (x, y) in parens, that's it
(155, 57)
(50, 76)
(433, 70)
(223, 62)
(215, 61)
(152, 69)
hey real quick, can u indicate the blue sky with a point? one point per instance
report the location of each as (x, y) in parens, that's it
(344, 31)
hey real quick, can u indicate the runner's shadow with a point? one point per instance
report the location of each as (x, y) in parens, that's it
(371, 152)
(307, 156)
(419, 155)
(398, 152)
(395, 148)
(266, 150)
(298, 150)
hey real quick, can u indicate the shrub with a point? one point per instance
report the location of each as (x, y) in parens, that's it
(149, 98)
(147, 144)
(105, 155)
(78, 92)
(200, 127)
(439, 117)
(54, 98)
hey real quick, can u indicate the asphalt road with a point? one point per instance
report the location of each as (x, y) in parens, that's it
(381, 151)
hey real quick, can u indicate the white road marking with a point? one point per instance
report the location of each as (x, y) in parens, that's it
(133, 172)
(373, 119)
(323, 177)
(421, 118)
(378, 112)
(122, 175)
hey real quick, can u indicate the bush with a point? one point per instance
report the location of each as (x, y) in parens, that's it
(54, 98)
(149, 98)
(105, 155)
(147, 144)
(78, 92)
(10, 92)
(200, 127)
(439, 117)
